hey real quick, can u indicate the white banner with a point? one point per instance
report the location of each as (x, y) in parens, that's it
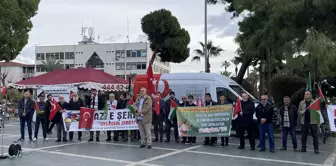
(332, 117)
(56, 91)
(120, 119)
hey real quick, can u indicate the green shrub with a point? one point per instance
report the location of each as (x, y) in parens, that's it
(286, 85)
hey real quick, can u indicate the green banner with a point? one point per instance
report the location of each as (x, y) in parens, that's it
(209, 121)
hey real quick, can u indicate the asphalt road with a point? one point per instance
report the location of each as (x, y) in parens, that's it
(103, 153)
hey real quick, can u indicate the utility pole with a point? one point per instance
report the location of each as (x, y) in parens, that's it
(206, 60)
(125, 51)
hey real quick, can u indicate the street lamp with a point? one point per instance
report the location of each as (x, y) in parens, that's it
(206, 35)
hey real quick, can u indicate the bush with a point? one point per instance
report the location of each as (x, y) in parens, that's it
(298, 96)
(286, 85)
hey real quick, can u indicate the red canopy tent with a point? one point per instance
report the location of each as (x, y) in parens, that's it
(87, 78)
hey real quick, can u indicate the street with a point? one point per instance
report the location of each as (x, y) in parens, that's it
(103, 153)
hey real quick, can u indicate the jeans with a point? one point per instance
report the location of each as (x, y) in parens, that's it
(305, 130)
(169, 124)
(285, 131)
(61, 130)
(263, 129)
(23, 121)
(43, 122)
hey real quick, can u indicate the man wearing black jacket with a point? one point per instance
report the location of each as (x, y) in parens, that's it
(223, 101)
(122, 104)
(59, 120)
(245, 122)
(75, 103)
(95, 102)
(264, 113)
(191, 140)
(42, 116)
(169, 124)
(26, 112)
(289, 115)
(208, 102)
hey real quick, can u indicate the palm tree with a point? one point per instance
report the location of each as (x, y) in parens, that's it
(212, 51)
(226, 73)
(225, 64)
(236, 62)
(52, 64)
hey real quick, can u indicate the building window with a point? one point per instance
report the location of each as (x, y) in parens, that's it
(40, 56)
(95, 61)
(138, 53)
(39, 68)
(69, 66)
(134, 53)
(47, 55)
(143, 53)
(69, 55)
(128, 66)
(120, 66)
(62, 55)
(121, 76)
(57, 55)
(128, 53)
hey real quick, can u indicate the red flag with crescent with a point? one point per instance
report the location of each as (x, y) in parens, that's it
(3, 90)
(86, 118)
(55, 107)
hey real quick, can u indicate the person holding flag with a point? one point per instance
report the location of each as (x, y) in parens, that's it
(158, 117)
(61, 131)
(75, 103)
(309, 119)
(171, 121)
(41, 108)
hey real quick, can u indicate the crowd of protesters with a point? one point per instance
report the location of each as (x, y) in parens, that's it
(147, 117)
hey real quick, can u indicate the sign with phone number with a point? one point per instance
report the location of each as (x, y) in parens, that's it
(114, 87)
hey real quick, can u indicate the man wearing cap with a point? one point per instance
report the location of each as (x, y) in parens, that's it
(209, 102)
(112, 105)
(75, 103)
(26, 111)
(169, 124)
(41, 117)
(95, 102)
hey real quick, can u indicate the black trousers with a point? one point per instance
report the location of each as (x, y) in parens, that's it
(250, 134)
(115, 134)
(314, 131)
(92, 133)
(226, 139)
(210, 140)
(43, 122)
(189, 139)
(158, 125)
(51, 127)
(72, 133)
(169, 124)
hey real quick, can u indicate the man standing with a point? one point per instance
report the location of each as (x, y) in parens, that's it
(191, 140)
(96, 103)
(169, 124)
(143, 107)
(59, 120)
(209, 102)
(75, 104)
(112, 105)
(308, 123)
(289, 115)
(245, 122)
(184, 104)
(264, 113)
(122, 104)
(158, 120)
(41, 117)
(26, 111)
(223, 101)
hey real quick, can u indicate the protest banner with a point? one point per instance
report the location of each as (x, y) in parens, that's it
(332, 117)
(58, 91)
(205, 121)
(120, 119)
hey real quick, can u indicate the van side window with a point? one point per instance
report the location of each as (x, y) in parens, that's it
(227, 93)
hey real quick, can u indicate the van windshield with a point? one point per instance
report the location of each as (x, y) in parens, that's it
(239, 90)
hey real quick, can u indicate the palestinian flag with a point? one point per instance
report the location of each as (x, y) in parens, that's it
(320, 95)
(37, 108)
(315, 111)
(308, 86)
(130, 106)
(173, 109)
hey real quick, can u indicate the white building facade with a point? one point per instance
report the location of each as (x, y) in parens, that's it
(117, 59)
(12, 72)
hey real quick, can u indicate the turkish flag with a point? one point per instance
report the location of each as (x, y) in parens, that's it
(86, 118)
(150, 89)
(3, 90)
(55, 107)
(157, 104)
(237, 108)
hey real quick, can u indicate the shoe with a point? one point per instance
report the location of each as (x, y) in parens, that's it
(70, 140)
(115, 139)
(45, 139)
(252, 148)
(155, 140)
(316, 151)
(65, 140)
(108, 140)
(295, 150)
(188, 143)
(97, 140)
(272, 151)
(205, 143)
(58, 140)
(283, 148)
(149, 147)
(302, 150)
(241, 147)
(34, 139)
(262, 150)
(221, 145)
(90, 140)
(167, 141)
(142, 146)
(193, 142)
(161, 140)
(258, 146)
(21, 139)
(30, 139)
(79, 139)
(177, 141)
(183, 142)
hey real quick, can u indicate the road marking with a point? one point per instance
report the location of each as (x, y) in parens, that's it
(330, 160)
(164, 155)
(92, 157)
(130, 145)
(255, 158)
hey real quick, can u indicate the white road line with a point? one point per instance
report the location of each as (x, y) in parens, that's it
(129, 145)
(95, 158)
(255, 158)
(330, 160)
(164, 155)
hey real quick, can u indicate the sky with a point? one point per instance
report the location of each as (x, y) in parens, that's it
(59, 22)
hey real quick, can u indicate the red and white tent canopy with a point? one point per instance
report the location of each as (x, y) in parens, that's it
(87, 78)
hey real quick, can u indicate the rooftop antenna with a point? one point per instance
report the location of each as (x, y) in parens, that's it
(127, 30)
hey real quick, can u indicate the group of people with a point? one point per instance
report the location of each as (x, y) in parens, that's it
(147, 117)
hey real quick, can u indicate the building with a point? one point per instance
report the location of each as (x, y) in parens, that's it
(14, 72)
(118, 59)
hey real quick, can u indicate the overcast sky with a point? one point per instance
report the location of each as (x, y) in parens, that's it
(59, 22)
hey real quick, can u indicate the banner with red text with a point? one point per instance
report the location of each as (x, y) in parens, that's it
(120, 119)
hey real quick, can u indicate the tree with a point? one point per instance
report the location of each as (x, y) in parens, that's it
(3, 76)
(15, 26)
(167, 39)
(212, 51)
(253, 77)
(226, 73)
(225, 64)
(52, 64)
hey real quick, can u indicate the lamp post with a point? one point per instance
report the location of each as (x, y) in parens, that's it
(206, 36)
